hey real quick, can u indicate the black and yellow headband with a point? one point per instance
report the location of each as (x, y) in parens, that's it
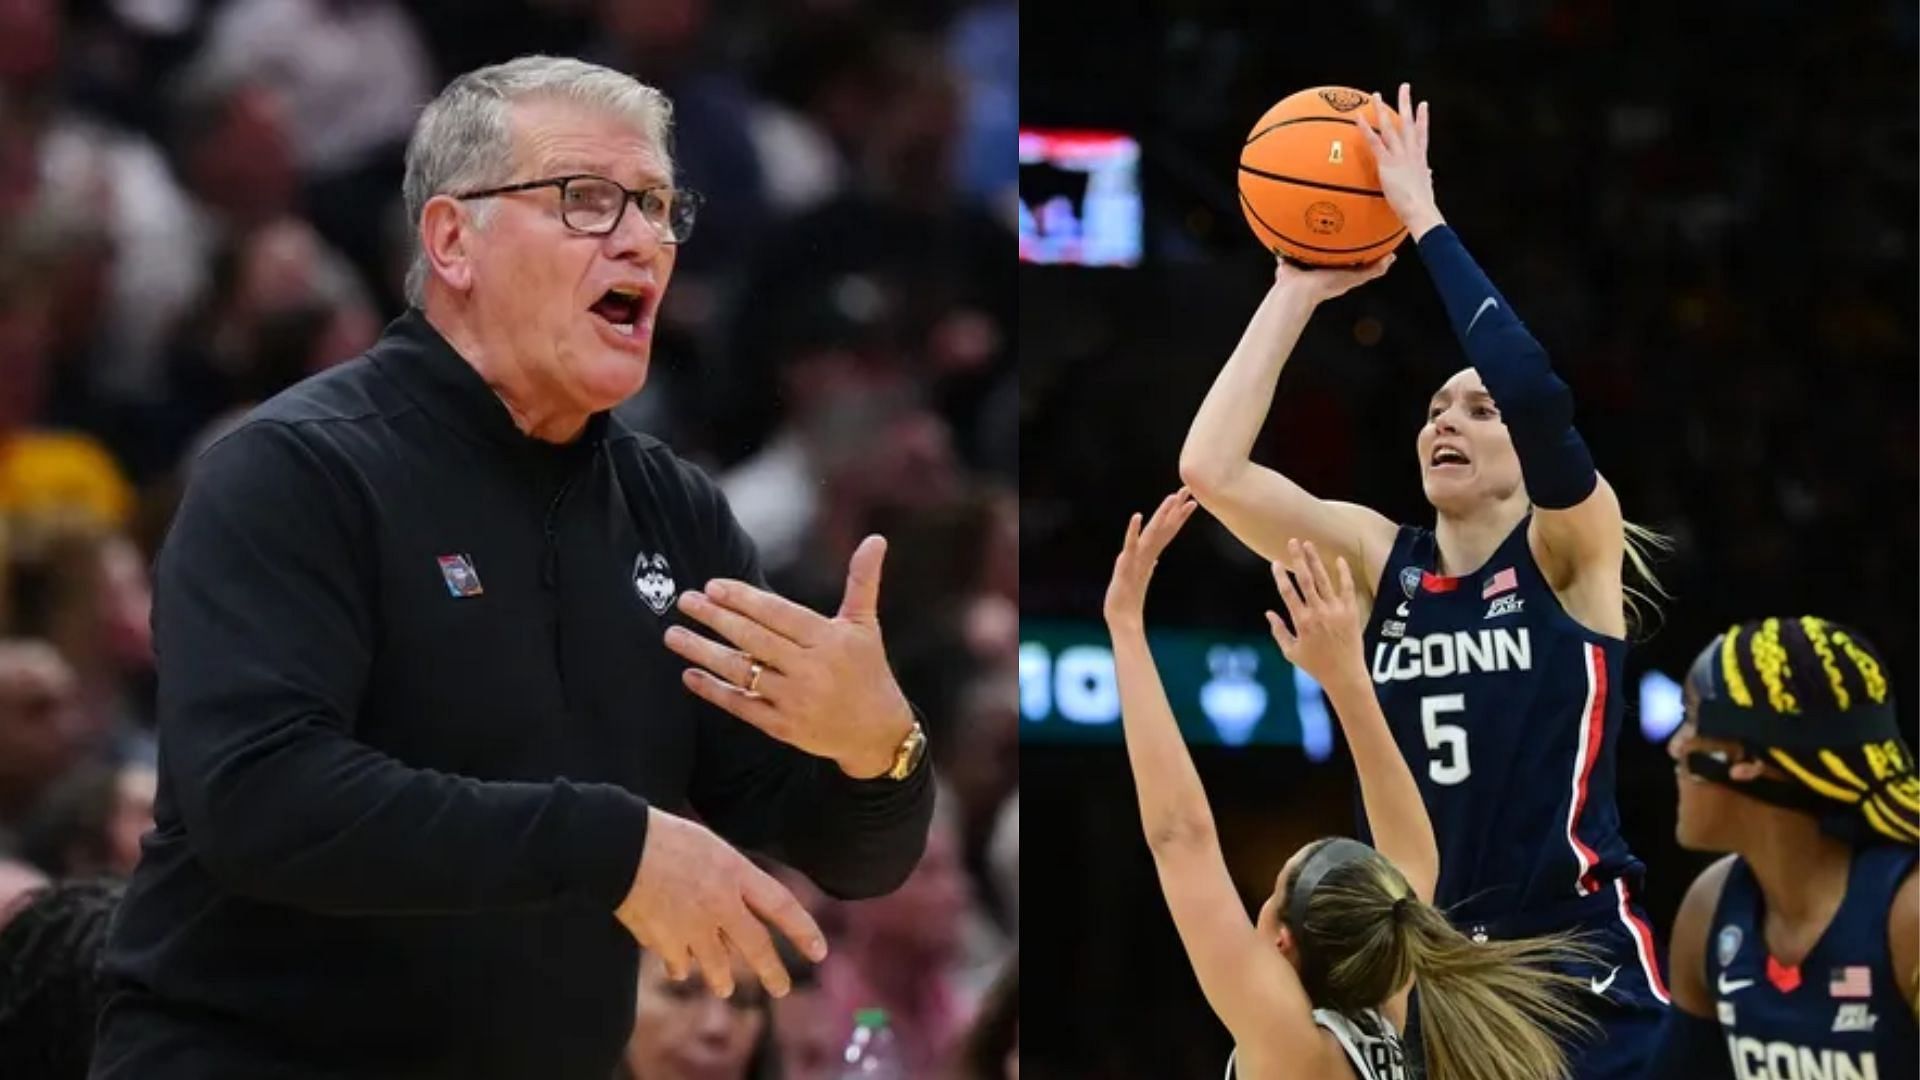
(1810, 698)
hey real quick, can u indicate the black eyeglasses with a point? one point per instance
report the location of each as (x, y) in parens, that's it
(594, 205)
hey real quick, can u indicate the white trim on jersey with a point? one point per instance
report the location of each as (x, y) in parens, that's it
(1349, 1035)
(1642, 936)
(1584, 757)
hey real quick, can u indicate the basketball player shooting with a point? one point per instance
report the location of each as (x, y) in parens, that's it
(1496, 637)
(1316, 987)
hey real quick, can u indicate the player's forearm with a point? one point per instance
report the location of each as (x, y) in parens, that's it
(1220, 440)
(1535, 403)
(1396, 814)
(1173, 803)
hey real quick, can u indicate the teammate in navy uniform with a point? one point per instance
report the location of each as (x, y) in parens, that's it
(1316, 987)
(1497, 636)
(1797, 956)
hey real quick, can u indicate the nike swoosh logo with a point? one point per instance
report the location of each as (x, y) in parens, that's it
(1484, 305)
(1728, 987)
(1401, 611)
(1599, 986)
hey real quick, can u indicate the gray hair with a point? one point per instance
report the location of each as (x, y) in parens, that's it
(463, 139)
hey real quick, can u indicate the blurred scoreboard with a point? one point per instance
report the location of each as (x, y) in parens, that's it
(1080, 198)
(1225, 690)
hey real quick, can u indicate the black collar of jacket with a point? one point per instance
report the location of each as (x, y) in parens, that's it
(415, 354)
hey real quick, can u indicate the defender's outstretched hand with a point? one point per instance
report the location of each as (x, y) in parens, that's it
(1127, 592)
(1325, 639)
(1399, 148)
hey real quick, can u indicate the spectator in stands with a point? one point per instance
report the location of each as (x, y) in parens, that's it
(809, 1033)
(900, 952)
(51, 991)
(39, 726)
(90, 822)
(991, 1050)
(681, 1031)
(84, 589)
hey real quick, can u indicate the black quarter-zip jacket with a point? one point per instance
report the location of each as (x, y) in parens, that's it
(414, 704)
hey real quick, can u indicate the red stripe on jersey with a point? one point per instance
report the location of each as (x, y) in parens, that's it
(1593, 730)
(1436, 583)
(1642, 943)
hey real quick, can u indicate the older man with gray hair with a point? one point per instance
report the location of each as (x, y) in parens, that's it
(435, 726)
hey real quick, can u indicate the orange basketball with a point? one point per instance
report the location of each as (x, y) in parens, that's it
(1308, 184)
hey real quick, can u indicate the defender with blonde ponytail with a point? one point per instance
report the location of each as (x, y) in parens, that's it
(1316, 986)
(1497, 636)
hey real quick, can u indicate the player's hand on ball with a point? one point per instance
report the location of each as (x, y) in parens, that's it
(1325, 639)
(822, 685)
(1399, 148)
(1325, 283)
(694, 898)
(1139, 554)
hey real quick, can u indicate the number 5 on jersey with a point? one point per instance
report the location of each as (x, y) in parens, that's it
(1447, 741)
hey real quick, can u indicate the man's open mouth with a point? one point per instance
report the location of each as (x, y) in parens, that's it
(622, 307)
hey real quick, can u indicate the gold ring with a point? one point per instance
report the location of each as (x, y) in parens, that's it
(754, 672)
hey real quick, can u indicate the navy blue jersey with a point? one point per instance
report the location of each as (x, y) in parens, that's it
(1508, 712)
(1839, 1013)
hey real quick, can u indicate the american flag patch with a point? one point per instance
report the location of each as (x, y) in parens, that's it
(1504, 581)
(462, 579)
(1852, 981)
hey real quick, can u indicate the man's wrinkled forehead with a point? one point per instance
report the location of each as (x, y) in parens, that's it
(554, 138)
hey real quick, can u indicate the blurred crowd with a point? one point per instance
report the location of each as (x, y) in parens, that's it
(200, 205)
(1722, 268)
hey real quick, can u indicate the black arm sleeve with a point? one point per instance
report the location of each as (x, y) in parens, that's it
(853, 838)
(264, 628)
(1691, 1048)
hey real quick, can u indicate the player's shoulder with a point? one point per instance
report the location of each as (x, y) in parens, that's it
(1903, 921)
(1703, 896)
(1697, 910)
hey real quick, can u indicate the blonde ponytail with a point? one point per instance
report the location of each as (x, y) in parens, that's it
(1492, 1010)
(1641, 543)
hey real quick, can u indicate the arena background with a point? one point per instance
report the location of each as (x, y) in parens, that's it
(199, 204)
(1707, 214)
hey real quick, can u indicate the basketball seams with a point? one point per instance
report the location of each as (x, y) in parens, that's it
(1303, 182)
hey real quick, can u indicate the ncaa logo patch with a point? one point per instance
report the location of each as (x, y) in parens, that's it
(1728, 944)
(653, 580)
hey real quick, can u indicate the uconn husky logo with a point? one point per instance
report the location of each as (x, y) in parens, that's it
(1461, 652)
(653, 580)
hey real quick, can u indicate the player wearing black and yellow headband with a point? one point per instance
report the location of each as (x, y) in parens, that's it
(1799, 954)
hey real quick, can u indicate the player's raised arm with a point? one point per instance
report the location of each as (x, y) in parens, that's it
(1262, 507)
(1325, 643)
(1577, 520)
(1249, 984)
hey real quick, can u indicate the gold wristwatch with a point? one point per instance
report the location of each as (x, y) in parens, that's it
(907, 756)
